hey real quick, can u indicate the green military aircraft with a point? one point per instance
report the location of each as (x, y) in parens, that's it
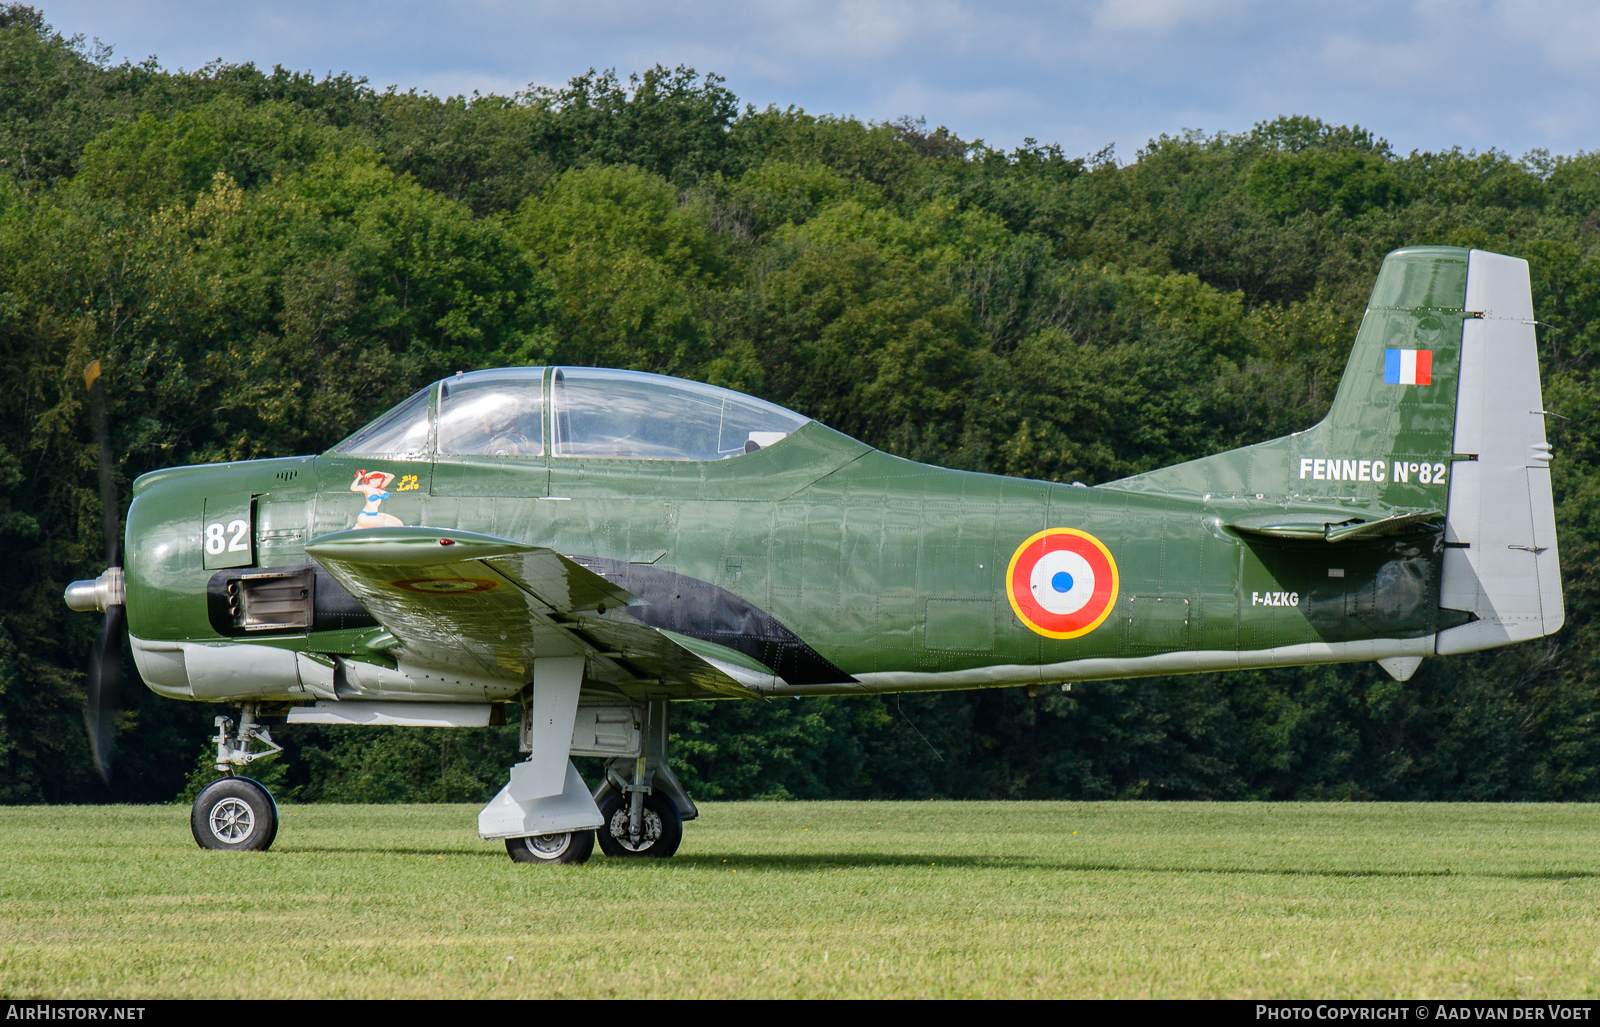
(580, 546)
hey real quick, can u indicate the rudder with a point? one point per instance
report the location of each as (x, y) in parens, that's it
(1500, 563)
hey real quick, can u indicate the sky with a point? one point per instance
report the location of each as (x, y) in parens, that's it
(1514, 75)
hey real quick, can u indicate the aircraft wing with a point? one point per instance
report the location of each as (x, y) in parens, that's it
(483, 607)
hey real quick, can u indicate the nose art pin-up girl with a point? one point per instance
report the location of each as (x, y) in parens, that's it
(374, 485)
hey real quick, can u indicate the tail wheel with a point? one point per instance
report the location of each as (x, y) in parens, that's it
(234, 814)
(568, 847)
(661, 828)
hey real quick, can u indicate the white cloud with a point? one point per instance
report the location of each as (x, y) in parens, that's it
(1567, 34)
(1161, 17)
(1387, 63)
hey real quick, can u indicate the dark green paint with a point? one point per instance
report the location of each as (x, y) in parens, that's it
(886, 565)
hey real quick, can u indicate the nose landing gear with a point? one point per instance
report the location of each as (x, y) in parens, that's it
(236, 814)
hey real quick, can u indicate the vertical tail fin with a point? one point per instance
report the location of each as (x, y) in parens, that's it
(1386, 443)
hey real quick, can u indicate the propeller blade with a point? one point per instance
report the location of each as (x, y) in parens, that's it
(105, 663)
(108, 485)
(105, 678)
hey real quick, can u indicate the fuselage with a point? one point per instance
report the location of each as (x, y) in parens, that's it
(838, 567)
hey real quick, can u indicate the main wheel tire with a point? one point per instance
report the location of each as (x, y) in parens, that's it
(660, 834)
(570, 847)
(234, 814)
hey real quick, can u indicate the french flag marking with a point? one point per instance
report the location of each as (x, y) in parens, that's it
(1408, 366)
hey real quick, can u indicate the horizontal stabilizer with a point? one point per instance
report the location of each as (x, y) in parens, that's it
(1399, 524)
(1334, 527)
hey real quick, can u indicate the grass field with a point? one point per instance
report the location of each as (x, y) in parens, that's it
(818, 899)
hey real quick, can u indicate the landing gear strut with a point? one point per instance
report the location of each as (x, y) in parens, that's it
(237, 814)
(638, 810)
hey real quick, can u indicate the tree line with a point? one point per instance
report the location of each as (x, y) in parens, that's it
(264, 260)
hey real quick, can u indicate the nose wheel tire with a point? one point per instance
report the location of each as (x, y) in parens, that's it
(661, 830)
(569, 847)
(234, 814)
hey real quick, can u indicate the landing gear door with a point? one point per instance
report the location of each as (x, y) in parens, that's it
(228, 531)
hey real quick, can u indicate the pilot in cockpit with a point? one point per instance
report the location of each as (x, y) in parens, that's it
(502, 436)
(492, 414)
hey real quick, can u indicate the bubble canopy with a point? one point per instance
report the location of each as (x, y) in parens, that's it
(573, 412)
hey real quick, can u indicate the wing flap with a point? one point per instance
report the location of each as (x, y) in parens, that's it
(652, 654)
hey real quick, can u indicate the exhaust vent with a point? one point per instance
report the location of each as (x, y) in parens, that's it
(281, 600)
(271, 600)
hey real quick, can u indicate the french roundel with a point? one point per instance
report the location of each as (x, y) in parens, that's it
(1062, 582)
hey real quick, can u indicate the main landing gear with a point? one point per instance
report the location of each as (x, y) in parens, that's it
(638, 818)
(567, 847)
(236, 814)
(638, 810)
(655, 830)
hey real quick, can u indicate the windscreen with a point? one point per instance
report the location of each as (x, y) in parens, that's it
(403, 431)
